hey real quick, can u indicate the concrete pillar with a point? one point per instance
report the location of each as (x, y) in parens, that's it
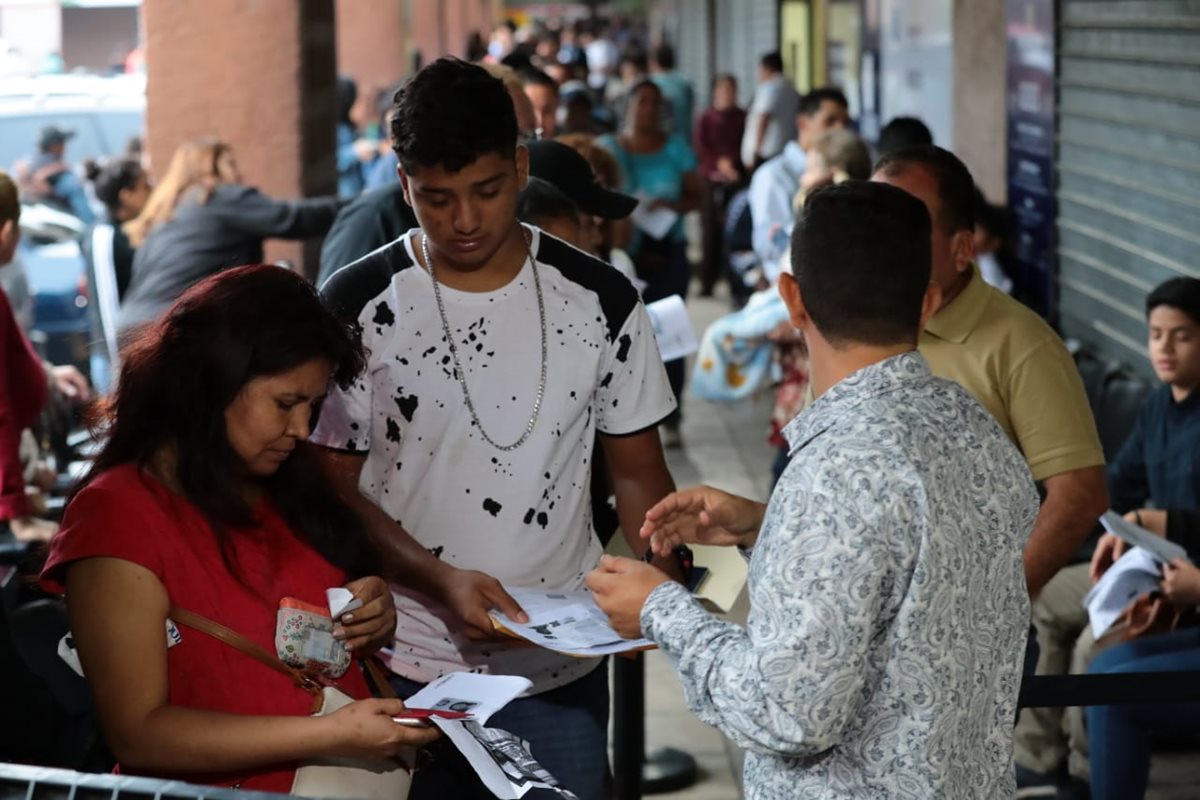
(980, 115)
(259, 74)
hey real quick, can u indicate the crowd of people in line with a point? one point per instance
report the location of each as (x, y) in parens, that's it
(474, 401)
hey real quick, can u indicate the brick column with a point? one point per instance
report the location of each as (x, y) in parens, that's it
(372, 43)
(259, 75)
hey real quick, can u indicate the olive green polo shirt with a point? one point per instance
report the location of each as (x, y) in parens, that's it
(1016, 366)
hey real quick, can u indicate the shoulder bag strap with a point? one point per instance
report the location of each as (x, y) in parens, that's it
(242, 644)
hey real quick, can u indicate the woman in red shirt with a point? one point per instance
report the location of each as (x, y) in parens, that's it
(200, 499)
(23, 387)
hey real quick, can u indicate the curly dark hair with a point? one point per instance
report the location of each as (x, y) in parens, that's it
(180, 373)
(451, 113)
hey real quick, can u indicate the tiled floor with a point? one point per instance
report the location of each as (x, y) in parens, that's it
(724, 446)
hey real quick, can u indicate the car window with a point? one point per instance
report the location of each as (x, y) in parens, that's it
(98, 133)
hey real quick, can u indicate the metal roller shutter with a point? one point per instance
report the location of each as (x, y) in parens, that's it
(1128, 164)
(746, 29)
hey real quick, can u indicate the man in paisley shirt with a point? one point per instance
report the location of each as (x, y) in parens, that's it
(888, 608)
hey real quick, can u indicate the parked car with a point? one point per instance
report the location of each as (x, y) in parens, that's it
(104, 113)
(51, 258)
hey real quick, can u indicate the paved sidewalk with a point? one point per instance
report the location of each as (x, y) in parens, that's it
(724, 446)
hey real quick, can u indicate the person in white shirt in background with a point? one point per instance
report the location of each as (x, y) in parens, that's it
(771, 119)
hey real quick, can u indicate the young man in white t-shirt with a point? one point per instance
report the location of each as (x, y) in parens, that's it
(497, 353)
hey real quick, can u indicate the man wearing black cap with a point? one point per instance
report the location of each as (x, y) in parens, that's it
(572, 175)
(48, 178)
(565, 198)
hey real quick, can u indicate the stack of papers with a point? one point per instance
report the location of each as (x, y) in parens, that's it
(501, 759)
(1134, 574)
(672, 328)
(1162, 549)
(657, 222)
(566, 622)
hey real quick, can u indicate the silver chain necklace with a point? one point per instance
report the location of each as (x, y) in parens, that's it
(461, 375)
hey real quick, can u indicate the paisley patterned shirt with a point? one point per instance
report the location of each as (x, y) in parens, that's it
(888, 611)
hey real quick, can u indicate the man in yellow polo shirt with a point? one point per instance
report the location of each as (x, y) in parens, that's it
(1012, 362)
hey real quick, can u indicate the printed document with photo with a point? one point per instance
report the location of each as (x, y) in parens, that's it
(1134, 574)
(501, 759)
(566, 622)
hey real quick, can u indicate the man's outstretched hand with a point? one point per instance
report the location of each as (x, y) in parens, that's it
(702, 515)
(621, 586)
(471, 595)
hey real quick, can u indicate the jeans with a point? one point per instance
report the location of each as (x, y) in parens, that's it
(567, 731)
(1120, 734)
(671, 278)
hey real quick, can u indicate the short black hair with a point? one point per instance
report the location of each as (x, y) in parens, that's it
(542, 200)
(1180, 293)
(956, 187)
(772, 61)
(861, 257)
(811, 102)
(532, 76)
(451, 113)
(664, 56)
(636, 56)
(903, 132)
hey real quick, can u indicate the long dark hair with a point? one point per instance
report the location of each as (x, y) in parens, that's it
(180, 373)
(110, 179)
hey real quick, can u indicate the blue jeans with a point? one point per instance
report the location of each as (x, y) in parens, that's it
(567, 731)
(1119, 735)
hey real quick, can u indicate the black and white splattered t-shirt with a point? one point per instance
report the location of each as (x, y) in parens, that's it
(524, 515)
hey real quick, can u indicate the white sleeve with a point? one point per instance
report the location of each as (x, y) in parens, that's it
(633, 393)
(770, 205)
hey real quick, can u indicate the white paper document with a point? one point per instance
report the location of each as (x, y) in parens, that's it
(501, 759)
(341, 601)
(1134, 574)
(656, 222)
(672, 328)
(567, 622)
(1164, 550)
(479, 695)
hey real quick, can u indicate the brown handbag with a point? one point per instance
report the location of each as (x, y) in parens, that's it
(1147, 615)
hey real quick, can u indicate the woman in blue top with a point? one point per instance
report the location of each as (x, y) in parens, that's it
(659, 169)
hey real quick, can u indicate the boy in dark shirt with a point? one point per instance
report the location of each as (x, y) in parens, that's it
(1158, 465)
